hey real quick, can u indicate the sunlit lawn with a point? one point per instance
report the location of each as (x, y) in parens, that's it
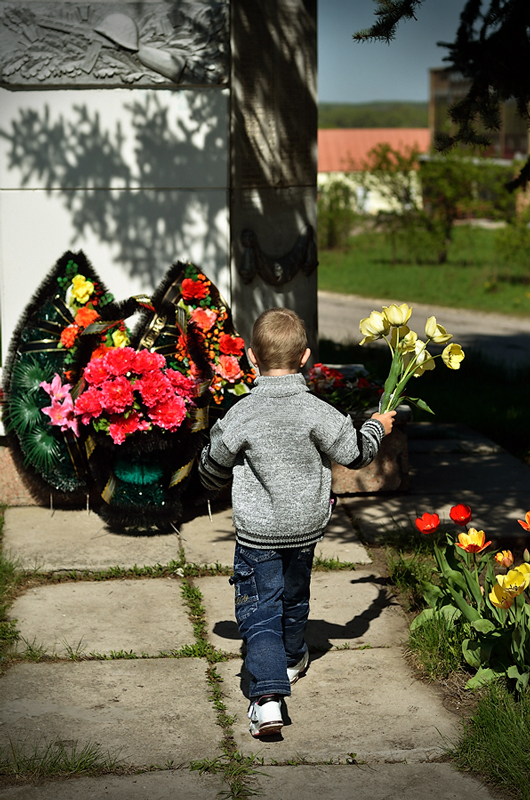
(474, 277)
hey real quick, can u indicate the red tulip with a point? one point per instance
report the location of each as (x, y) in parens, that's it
(428, 523)
(460, 514)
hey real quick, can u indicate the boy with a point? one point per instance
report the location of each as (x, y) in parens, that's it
(277, 443)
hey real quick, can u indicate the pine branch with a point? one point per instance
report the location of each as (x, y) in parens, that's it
(389, 13)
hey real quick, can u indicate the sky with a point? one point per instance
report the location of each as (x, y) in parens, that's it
(354, 72)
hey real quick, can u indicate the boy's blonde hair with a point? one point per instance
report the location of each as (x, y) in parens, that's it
(279, 339)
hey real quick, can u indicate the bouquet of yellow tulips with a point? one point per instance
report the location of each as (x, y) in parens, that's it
(410, 357)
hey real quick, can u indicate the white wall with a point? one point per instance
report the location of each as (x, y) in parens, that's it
(137, 179)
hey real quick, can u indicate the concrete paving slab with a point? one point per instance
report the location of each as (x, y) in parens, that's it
(500, 473)
(341, 540)
(376, 781)
(142, 616)
(348, 608)
(208, 541)
(493, 513)
(351, 701)
(150, 711)
(148, 786)
(67, 540)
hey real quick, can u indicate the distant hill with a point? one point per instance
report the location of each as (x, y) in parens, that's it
(373, 115)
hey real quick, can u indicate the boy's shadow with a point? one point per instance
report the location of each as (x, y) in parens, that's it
(319, 632)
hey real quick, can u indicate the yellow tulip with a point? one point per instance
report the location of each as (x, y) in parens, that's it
(424, 360)
(374, 327)
(473, 541)
(504, 558)
(498, 597)
(452, 356)
(435, 332)
(403, 338)
(120, 339)
(81, 289)
(514, 582)
(397, 315)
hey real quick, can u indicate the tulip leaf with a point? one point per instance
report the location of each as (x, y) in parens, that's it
(419, 403)
(483, 625)
(484, 675)
(431, 593)
(470, 613)
(472, 652)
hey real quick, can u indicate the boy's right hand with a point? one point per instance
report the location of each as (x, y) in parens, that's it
(386, 420)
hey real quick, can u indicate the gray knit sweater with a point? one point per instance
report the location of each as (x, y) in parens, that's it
(278, 442)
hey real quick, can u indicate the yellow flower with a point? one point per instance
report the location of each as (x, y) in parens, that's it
(81, 289)
(515, 581)
(424, 360)
(498, 597)
(452, 356)
(436, 333)
(397, 315)
(404, 338)
(374, 327)
(120, 338)
(473, 541)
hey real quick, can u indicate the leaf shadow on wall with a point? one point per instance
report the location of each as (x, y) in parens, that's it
(153, 208)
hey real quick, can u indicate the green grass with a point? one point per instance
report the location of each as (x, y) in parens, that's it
(474, 277)
(494, 742)
(40, 759)
(373, 115)
(437, 646)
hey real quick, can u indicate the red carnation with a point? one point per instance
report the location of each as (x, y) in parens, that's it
(144, 361)
(89, 404)
(96, 372)
(119, 360)
(69, 335)
(231, 345)
(185, 386)
(117, 394)
(169, 414)
(154, 388)
(193, 290)
(120, 427)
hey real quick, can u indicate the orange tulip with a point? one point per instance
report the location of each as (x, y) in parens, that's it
(504, 558)
(473, 541)
(526, 522)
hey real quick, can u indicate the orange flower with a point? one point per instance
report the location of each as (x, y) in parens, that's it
(504, 558)
(85, 316)
(473, 541)
(69, 335)
(526, 522)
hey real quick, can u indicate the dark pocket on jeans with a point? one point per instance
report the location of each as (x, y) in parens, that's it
(246, 599)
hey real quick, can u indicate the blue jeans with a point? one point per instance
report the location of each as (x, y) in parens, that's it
(272, 607)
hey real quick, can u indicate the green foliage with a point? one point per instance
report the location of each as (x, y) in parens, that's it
(437, 645)
(373, 115)
(474, 276)
(494, 742)
(337, 213)
(33, 760)
(512, 243)
(409, 572)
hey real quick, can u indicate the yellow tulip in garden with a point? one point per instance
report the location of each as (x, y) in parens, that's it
(410, 357)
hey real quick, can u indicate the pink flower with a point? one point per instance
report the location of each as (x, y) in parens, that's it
(228, 368)
(203, 318)
(154, 388)
(55, 389)
(62, 414)
(122, 426)
(185, 386)
(89, 404)
(96, 372)
(169, 414)
(119, 360)
(144, 361)
(117, 394)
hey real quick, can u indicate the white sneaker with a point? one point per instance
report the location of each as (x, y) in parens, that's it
(265, 716)
(293, 673)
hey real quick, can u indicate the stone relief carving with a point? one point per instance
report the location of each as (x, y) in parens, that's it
(277, 271)
(114, 44)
